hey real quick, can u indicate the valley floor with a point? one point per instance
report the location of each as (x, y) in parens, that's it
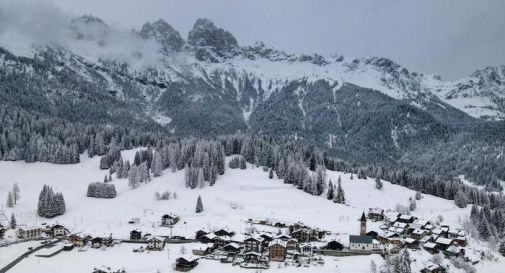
(237, 196)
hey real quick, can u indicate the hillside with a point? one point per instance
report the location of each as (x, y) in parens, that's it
(236, 197)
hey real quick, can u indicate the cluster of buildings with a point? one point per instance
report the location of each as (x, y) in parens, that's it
(35, 232)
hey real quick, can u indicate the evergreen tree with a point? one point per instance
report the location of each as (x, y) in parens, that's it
(378, 183)
(13, 222)
(413, 204)
(199, 205)
(16, 193)
(340, 197)
(10, 202)
(271, 173)
(201, 183)
(331, 191)
(461, 200)
(502, 248)
(157, 166)
(418, 196)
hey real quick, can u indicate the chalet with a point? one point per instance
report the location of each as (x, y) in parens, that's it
(408, 219)
(29, 233)
(411, 243)
(292, 244)
(253, 244)
(433, 268)
(135, 235)
(360, 243)
(396, 241)
(252, 257)
(279, 224)
(418, 234)
(221, 241)
(267, 238)
(232, 248)
(185, 264)
(77, 240)
(203, 249)
(373, 234)
(97, 242)
(334, 245)
(460, 241)
(302, 235)
(277, 250)
(284, 237)
(443, 243)
(454, 251)
(208, 238)
(430, 247)
(200, 233)
(156, 243)
(224, 232)
(306, 249)
(375, 214)
(169, 219)
(58, 231)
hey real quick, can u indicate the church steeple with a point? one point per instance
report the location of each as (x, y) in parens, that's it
(363, 225)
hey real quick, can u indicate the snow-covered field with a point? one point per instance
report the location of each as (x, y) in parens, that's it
(236, 197)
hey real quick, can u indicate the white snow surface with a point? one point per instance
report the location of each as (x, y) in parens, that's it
(237, 196)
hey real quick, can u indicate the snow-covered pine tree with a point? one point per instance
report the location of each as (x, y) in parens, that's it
(412, 204)
(419, 196)
(16, 193)
(461, 199)
(134, 177)
(13, 222)
(157, 166)
(213, 175)
(340, 196)
(331, 192)
(187, 176)
(502, 248)
(378, 183)
(126, 169)
(199, 205)
(271, 173)
(10, 201)
(200, 181)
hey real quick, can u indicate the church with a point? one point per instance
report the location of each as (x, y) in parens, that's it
(363, 242)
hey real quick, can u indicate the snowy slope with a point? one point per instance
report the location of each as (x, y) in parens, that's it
(236, 197)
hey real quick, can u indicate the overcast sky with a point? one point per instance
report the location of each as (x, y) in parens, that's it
(451, 38)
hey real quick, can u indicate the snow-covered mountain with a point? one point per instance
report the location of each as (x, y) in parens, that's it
(362, 109)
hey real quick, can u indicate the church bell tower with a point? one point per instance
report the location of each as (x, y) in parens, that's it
(362, 231)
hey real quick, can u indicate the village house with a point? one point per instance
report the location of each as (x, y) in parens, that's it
(156, 243)
(454, 251)
(418, 234)
(277, 250)
(433, 268)
(306, 249)
(169, 219)
(224, 232)
(186, 263)
(252, 257)
(403, 218)
(29, 232)
(135, 235)
(204, 249)
(334, 245)
(430, 247)
(221, 241)
(77, 240)
(200, 233)
(58, 231)
(231, 248)
(292, 244)
(253, 244)
(208, 238)
(376, 214)
(267, 238)
(411, 243)
(443, 243)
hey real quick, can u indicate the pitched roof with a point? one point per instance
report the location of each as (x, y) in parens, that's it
(278, 242)
(363, 217)
(358, 239)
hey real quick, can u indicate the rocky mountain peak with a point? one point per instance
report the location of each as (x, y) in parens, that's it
(169, 39)
(205, 33)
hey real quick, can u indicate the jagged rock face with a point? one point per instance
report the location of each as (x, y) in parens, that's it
(169, 39)
(211, 40)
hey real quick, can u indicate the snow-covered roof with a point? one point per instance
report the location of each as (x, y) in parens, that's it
(253, 253)
(234, 245)
(375, 210)
(444, 241)
(400, 225)
(278, 242)
(430, 245)
(210, 236)
(410, 240)
(358, 239)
